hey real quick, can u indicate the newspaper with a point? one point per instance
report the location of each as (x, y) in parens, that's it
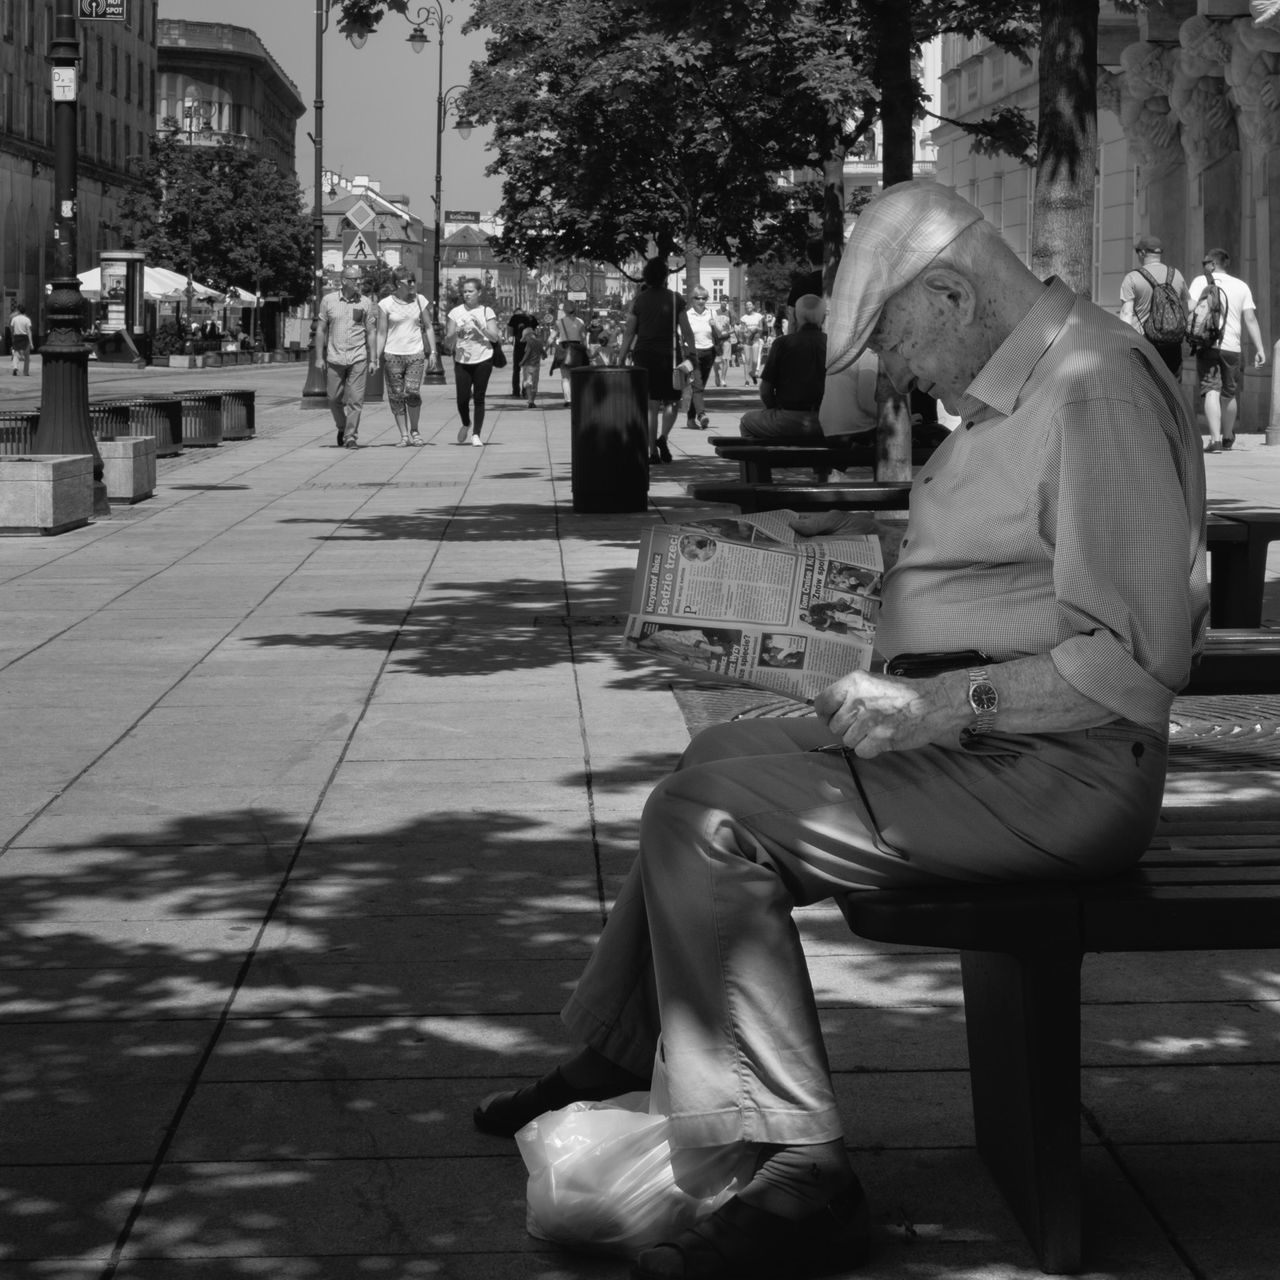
(747, 599)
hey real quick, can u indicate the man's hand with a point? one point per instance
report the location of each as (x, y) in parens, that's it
(872, 714)
(320, 364)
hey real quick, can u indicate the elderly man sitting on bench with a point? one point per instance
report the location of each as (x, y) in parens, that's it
(792, 381)
(1055, 555)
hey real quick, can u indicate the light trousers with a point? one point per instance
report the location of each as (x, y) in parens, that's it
(701, 945)
(345, 386)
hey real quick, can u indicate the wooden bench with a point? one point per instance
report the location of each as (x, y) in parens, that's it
(869, 495)
(757, 459)
(1239, 540)
(1021, 949)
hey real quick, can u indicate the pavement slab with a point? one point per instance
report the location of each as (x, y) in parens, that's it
(320, 773)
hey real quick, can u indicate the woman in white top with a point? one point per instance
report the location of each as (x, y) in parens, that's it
(404, 337)
(704, 355)
(472, 329)
(571, 337)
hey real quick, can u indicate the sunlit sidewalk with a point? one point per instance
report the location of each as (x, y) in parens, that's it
(320, 770)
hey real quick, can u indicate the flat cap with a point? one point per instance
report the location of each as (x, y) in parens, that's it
(896, 236)
(1148, 244)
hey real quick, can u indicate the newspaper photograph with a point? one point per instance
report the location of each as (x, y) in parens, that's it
(748, 600)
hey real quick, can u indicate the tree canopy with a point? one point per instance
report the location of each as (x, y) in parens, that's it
(699, 127)
(225, 215)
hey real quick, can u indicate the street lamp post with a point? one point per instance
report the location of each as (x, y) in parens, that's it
(313, 392)
(64, 378)
(426, 16)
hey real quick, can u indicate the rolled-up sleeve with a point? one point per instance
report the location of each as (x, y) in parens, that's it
(1121, 534)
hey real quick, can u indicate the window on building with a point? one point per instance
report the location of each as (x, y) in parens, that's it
(951, 95)
(719, 289)
(97, 135)
(461, 256)
(128, 146)
(115, 145)
(142, 84)
(29, 110)
(115, 70)
(98, 61)
(6, 18)
(997, 70)
(30, 24)
(972, 83)
(128, 78)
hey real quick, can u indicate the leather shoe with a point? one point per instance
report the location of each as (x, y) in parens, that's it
(739, 1242)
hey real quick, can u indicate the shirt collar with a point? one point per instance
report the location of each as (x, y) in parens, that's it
(1000, 381)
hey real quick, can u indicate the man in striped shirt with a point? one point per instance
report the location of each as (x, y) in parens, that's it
(1055, 556)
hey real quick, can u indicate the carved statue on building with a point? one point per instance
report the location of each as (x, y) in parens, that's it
(1198, 94)
(1139, 96)
(1254, 77)
(1266, 13)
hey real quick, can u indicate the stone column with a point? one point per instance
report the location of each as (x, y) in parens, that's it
(1139, 95)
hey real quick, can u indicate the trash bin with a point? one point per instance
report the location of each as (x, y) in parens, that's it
(609, 421)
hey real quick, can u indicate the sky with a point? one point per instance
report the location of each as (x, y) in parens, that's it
(379, 101)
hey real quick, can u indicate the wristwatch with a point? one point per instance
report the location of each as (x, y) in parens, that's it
(984, 700)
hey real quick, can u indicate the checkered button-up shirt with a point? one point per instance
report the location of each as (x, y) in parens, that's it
(1065, 515)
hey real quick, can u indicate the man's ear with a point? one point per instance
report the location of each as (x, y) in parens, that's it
(945, 284)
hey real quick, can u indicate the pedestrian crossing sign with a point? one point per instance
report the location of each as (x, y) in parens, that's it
(359, 246)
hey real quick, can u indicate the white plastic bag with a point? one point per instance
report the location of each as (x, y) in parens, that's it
(603, 1177)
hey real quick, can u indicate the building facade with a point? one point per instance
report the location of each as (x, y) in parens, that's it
(1188, 148)
(117, 101)
(218, 85)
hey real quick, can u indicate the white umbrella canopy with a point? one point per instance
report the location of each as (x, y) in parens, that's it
(158, 283)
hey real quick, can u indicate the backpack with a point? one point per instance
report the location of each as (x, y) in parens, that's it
(1208, 317)
(1166, 321)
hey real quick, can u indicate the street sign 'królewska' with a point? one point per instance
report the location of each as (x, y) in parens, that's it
(113, 10)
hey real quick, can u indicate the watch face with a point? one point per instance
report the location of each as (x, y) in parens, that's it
(983, 697)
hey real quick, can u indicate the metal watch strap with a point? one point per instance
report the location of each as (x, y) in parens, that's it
(984, 714)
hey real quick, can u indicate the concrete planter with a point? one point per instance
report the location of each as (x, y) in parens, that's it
(186, 362)
(45, 493)
(129, 467)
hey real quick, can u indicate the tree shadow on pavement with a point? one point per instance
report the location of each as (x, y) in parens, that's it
(270, 1048)
(499, 522)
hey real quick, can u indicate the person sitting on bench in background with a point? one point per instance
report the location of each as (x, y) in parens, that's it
(793, 377)
(1055, 551)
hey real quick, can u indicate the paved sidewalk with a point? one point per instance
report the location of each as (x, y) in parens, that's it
(319, 771)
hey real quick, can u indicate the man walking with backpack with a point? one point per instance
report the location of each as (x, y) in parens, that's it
(1221, 307)
(1153, 300)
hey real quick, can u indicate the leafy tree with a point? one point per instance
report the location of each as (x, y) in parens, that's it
(612, 136)
(224, 215)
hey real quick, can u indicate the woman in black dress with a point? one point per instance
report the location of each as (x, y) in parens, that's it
(658, 337)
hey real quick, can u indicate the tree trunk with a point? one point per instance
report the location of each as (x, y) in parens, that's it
(895, 82)
(832, 216)
(1062, 220)
(692, 264)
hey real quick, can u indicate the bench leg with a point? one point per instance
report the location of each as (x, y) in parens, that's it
(1023, 1024)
